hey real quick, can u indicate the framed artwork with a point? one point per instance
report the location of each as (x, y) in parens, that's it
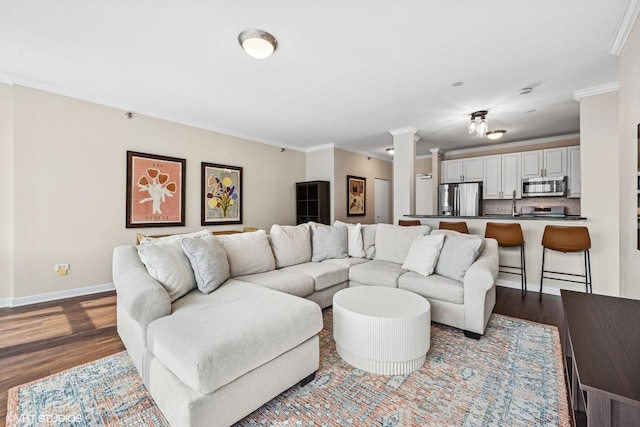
(155, 190)
(356, 195)
(221, 194)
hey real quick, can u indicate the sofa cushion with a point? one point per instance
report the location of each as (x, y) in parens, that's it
(298, 284)
(346, 262)
(393, 241)
(211, 339)
(291, 244)
(325, 275)
(378, 273)
(369, 240)
(328, 242)
(434, 287)
(208, 261)
(248, 253)
(457, 254)
(167, 263)
(355, 244)
(423, 254)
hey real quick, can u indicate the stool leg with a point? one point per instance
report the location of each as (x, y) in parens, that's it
(523, 272)
(587, 271)
(542, 273)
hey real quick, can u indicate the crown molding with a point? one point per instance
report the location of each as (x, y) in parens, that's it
(321, 147)
(596, 90)
(624, 26)
(404, 131)
(516, 144)
(424, 156)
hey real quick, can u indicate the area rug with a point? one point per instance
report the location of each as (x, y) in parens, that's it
(513, 376)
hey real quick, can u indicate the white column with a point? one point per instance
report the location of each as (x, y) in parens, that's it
(404, 177)
(435, 173)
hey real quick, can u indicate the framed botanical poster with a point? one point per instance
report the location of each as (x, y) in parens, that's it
(155, 190)
(356, 195)
(221, 194)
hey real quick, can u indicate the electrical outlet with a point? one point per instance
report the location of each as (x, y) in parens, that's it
(61, 269)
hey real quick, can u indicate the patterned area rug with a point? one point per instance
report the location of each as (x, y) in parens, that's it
(513, 376)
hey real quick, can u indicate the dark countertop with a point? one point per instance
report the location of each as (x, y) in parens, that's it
(502, 217)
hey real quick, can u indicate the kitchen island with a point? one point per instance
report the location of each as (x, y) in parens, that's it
(532, 229)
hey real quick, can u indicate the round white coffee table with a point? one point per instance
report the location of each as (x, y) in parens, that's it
(382, 330)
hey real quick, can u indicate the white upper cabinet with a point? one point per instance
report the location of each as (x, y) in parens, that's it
(462, 170)
(573, 172)
(550, 162)
(511, 175)
(492, 182)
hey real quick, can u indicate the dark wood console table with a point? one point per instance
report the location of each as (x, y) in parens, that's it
(602, 357)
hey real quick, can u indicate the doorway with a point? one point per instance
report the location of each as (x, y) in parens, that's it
(382, 206)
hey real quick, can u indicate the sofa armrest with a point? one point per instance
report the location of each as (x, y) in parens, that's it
(142, 297)
(479, 288)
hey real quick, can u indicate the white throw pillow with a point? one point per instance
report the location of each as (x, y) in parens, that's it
(328, 242)
(355, 244)
(393, 241)
(166, 262)
(369, 240)
(423, 254)
(248, 253)
(458, 252)
(291, 244)
(208, 261)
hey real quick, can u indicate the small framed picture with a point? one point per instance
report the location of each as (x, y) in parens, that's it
(221, 194)
(356, 195)
(155, 190)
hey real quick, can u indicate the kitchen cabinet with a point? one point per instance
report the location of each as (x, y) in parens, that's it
(502, 176)
(550, 162)
(462, 170)
(573, 172)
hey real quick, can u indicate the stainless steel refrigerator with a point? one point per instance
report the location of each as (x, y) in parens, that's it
(460, 199)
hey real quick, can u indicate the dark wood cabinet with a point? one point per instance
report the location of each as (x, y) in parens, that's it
(312, 202)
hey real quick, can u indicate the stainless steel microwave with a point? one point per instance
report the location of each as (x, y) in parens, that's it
(548, 186)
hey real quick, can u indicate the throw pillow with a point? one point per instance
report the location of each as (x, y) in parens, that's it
(369, 240)
(291, 245)
(457, 254)
(355, 244)
(393, 241)
(457, 233)
(248, 253)
(166, 262)
(208, 261)
(328, 242)
(423, 254)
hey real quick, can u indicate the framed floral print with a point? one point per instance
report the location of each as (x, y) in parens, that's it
(155, 190)
(356, 195)
(221, 194)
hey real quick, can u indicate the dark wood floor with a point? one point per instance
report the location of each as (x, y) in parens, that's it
(43, 339)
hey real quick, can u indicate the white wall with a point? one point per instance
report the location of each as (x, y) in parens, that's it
(69, 184)
(629, 120)
(599, 158)
(320, 167)
(6, 191)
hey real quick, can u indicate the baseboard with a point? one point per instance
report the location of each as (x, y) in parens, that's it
(34, 299)
(530, 288)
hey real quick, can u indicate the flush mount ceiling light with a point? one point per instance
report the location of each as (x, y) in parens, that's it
(257, 43)
(390, 150)
(496, 134)
(479, 124)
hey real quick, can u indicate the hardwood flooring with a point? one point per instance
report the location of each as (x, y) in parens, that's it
(43, 339)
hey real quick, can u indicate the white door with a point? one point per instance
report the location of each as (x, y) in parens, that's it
(532, 164)
(452, 171)
(555, 162)
(511, 177)
(472, 169)
(492, 187)
(382, 206)
(424, 195)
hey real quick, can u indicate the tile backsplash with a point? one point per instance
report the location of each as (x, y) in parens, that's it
(501, 207)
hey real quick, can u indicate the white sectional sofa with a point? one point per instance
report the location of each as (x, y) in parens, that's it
(219, 326)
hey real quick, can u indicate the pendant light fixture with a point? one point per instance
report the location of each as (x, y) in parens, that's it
(257, 43)
(479, 124)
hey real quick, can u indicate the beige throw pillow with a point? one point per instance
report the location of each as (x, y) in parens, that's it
(248, 253)
(355, 243)
(423, 254)
(291, 244)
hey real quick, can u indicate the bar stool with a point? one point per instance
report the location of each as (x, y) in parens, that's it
(460, 227)
(409, 222)
(567, 239)
(509, 235)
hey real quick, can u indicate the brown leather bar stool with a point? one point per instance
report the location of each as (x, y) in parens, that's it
(509, 235)
(567, 239)
(409, 222)
(460, 227)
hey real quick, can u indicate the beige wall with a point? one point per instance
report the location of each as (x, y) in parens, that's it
(629, 120)
(320, 165)
(515, 149)
(6, 191)
(348, 163)
(423, 165)
(69, 184)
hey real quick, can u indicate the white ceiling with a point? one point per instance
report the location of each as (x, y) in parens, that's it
(345, 72)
